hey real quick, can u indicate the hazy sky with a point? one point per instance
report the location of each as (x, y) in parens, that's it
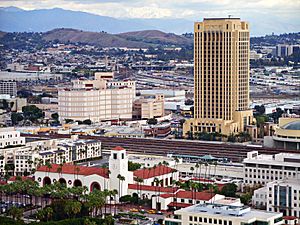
(189, 9)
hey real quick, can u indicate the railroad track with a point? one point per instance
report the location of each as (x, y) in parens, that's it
(162, 147)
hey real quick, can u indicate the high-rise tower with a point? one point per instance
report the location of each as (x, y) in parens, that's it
(221, 77)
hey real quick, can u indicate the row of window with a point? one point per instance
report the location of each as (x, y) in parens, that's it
(210, 220)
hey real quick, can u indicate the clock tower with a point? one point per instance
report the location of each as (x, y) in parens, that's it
(118, 167)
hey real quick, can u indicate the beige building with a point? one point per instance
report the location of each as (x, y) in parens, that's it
(98, 100)
(287, 135)
(149, 107)
(221, 77)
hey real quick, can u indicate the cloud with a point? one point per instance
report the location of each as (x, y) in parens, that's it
(189, 9)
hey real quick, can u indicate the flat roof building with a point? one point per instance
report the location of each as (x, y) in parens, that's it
(213, 213)
(261, 169)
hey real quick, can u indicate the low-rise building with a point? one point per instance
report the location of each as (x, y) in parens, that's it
(279, 196)
(24, 160)
(225, 214)
(261, 169)
(9, 137)
(8, 88)
(287, 135)
(148, 107)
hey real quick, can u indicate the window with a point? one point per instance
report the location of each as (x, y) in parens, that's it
(115, 156)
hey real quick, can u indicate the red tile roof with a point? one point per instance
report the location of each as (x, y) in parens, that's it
(118, 148)
(153, 172)
(202, 179)
(14, 178)
(166, 195)
(289, 217)
(152, 188)
(72, 169)
(204, 196)
(179, 204)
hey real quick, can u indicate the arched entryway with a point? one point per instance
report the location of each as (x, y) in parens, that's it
(46, 181)
(95, 186)
(77, 183)
(62, 181)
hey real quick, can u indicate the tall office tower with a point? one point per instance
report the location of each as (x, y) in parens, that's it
(221, 77)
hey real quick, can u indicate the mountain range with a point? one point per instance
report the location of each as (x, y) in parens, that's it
(13, 19)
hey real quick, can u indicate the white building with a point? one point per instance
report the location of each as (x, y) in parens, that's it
(261, 169)
(8, 88)
(9, 137)
(279, 196)
(181, 199)
(223, 214)
(55, 151)
(101, 99)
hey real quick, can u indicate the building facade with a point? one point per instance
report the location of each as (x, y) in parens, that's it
(223, 214)
(261, 169)
(279, 196)
(287, 134)
(100, 99)
(221, 77)
(148, 107)
(23, 160)
(8, 88)
(9, 137)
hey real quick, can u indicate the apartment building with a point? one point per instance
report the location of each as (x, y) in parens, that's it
(23, 160)
(148, 107)
(222, 214)
(261, 169)
(101, 99)
(279, 196)
(10, 137)
(8, 88)
(221, 77)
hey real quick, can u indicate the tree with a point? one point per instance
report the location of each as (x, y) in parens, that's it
(277, 114)
(16, 118)
(72, 208)
(152, 121)
(32, 113)
(69, 120)
(55, 116)
(15, 212)
(189, 102)
(133, 166)
(260, 110)
(229, 190)
(87, 122)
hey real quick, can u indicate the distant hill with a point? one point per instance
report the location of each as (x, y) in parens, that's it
(99, 39)
(137, 39)
(156, 37)
(13, 19)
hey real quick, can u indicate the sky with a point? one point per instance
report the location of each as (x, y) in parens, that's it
(289, 10)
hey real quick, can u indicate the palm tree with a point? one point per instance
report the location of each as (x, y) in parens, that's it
(192, 170)
(156, 181)
(121, 179)
(139, 188)
(197, 167)
(114, 193)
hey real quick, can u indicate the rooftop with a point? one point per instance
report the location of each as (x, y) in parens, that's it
(71, 169)
(245, 213)
(153, 172)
